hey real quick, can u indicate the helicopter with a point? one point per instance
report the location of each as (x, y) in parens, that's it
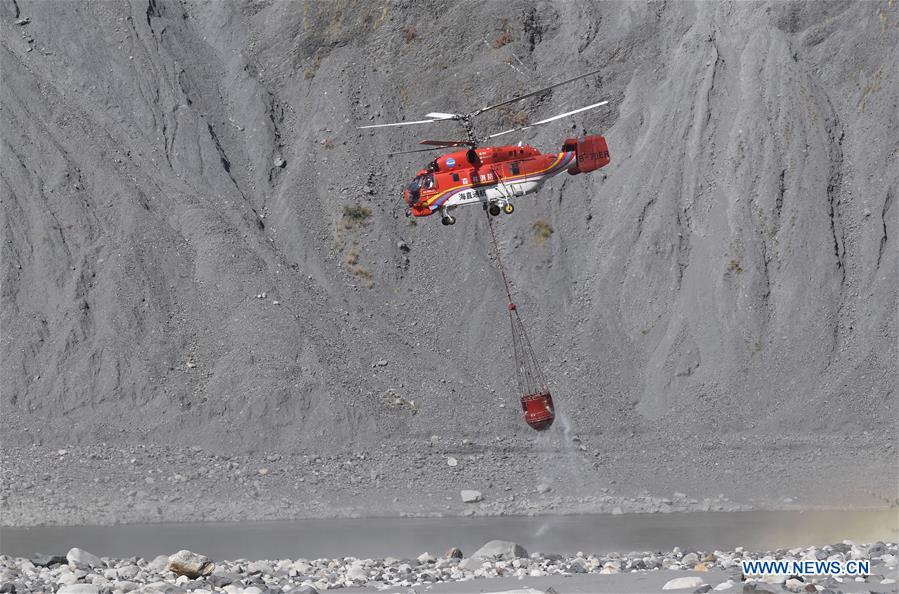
(493, 175)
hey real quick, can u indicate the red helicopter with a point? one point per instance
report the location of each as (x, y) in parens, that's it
(494, 175)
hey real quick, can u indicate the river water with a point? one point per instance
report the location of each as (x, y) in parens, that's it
(409, 537)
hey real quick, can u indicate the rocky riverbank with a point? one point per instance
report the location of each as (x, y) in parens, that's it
(102, 484)
(81, 572)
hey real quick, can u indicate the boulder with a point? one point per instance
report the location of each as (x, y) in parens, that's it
(500, 548)
(82, 559)
(683, 583)
(42, 560)
(454, 553)
(259, 567)
(472, 564)
(191, 564)
(471, 496)
(127, 572)
(220, 580)
(159, 563)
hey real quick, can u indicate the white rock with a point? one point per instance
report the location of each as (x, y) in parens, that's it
(81, 558)
(728, 585)
(452, 461)
(543, 488)
(128, 572)
(794, 585)
(301, 567)
(682, 583)
(471, 496)
(610, 567)
(356, 573)
(500, 548)
(887, 581)
(159, 563)
(259, 567)
(426, 558)
(471, 564)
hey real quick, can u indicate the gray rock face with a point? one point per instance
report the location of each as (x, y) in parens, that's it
(500, 548)
(190, 564)
(735, 258)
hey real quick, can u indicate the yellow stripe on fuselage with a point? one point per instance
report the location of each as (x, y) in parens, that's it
(495, 182)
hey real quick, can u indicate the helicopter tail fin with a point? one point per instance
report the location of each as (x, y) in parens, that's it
(592, 153)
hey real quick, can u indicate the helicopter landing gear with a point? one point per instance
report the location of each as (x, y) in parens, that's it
(493, 209)
(508, 208)
(446, 218)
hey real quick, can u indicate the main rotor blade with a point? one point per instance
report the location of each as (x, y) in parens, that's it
(421, 150)
(548, 120)
(442, 116)
(532, 93)
(397, 124)
(445, 142)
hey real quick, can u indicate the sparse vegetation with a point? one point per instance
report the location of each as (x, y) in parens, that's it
(309, 73)
(409, 33)
(734, 267)
(542, 231)
(502, 39)
(515, 118)
(351, 258)
(354, 215)
(328, 143)
(505, 35)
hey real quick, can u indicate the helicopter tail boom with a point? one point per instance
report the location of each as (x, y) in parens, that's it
(592, 153)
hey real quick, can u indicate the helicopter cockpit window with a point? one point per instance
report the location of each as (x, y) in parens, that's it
(413, 188)
(427, 182)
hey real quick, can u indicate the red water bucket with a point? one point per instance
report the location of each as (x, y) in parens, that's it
(538, 410)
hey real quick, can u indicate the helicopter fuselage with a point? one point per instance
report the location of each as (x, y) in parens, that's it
(497, 174)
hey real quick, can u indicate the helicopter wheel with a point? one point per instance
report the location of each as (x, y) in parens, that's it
(448, 220)
(494, 210)
(508, 208)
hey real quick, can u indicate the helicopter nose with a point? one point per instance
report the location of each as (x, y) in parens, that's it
(406, 197)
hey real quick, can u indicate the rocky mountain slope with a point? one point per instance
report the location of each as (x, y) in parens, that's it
(181, 264)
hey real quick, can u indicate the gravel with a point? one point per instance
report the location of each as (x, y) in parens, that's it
(500, 559)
